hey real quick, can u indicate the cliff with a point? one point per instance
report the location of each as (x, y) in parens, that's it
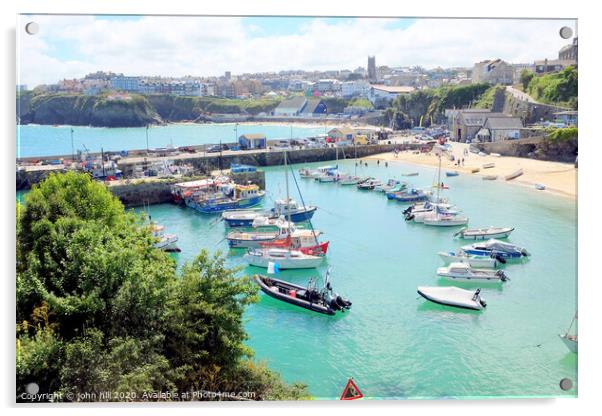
(103, 111)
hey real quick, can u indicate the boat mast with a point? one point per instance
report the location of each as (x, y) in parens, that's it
(439, 178)
(288, 208)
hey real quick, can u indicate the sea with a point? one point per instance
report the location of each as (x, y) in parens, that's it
(393, 343)
(35, 140)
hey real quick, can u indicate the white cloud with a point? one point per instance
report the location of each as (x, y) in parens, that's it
(209, 46)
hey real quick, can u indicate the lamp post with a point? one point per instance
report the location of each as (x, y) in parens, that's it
(72, 147)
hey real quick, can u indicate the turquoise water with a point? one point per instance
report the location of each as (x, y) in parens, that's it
(392, 342)
(38, 140)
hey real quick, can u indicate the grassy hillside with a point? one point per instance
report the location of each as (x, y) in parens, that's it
(407, 110)
(559, 88)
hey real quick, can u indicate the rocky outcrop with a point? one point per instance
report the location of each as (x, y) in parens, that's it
(102, 111)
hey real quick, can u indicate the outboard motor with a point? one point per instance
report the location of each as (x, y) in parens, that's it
(502, 275)
(409, 217)
(408, 210)
(499, 258)
(524, 252)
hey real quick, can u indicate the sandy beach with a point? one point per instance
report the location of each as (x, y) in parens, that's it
(558, 178)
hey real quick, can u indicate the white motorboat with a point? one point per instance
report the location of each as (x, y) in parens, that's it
(453, 296)
(442, 219)
(350, 180)
(165, 242)
(472, 261)
(484, 233)
(463, 272)
(419, 212)
(286, 259)
(493, 247)
(328, 177)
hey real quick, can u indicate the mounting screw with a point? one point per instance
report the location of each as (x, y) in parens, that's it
(566, 32)
(566, 384)
(32, 28)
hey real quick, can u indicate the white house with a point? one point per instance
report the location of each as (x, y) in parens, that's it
(358, 88)
(381, 95)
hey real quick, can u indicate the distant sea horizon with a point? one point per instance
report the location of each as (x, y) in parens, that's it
(37, 140)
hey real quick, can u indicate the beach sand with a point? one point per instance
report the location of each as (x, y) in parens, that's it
(558, 178)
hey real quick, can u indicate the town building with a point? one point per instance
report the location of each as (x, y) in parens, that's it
(357, 88)
(381, 95)
(252, 141)
(493, 72)
(291, 106)
(568, 118)
(496, 129)
(464, 124)
(342, 134)
(372, 76)
(125, 83)
(314, 107)
(552, 65)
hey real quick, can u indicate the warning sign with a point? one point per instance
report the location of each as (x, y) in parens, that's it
(351, 392)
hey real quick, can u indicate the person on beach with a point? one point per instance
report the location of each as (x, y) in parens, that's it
(386, 164)
(377, 162)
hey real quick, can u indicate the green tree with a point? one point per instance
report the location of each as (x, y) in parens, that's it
(525, 78)
(99, 308)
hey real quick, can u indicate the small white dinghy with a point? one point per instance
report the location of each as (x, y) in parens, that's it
(453, 296)
(473, 261)
(463, 272)
(484, 233)
(444, 220)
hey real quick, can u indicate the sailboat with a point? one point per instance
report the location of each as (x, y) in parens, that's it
(274, 251)
(570, 340)
(442, 217)
(351, 179)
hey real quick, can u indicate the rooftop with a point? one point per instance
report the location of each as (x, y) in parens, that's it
(504, 123)
(393, 89)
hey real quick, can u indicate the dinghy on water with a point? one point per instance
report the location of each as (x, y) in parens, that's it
(450, 174)
(473, 261)
(463, 272)
(410, 174)
(453, 296)
(484, 233)
(489, 177)
(493, 247)
(324, 301)
(540, 186)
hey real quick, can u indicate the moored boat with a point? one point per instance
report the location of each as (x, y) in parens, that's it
(410, 174)
(484, 233)
(165, 242)
(473, 261)
(411, 195)
(323, 300)
(440, 218)
(464, 272)
(453, 296)
(235, 197)
(369, 185)
(285, 258)
(493, 247)
(450, 174)
(570, 340)
(489, 177)
(488, 165)
(254, 239)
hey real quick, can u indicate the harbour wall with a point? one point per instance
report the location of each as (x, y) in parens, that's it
(534, 147)
(273, 157)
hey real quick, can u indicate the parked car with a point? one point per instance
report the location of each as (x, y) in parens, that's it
(216, 148)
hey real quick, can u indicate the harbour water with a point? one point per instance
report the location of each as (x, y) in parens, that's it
(393, 342)
(42, 140)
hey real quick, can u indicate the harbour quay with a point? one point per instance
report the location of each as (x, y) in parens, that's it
(207, 162)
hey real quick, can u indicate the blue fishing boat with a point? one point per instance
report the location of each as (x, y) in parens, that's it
(234, 197)
(454, 173)
(282, 208)
(413, 195)
(495, 248)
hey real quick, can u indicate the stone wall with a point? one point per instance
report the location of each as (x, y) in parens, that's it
(26, 178)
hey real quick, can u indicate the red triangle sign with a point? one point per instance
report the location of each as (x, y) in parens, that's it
(351, 392)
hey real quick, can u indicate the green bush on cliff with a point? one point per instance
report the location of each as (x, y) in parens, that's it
(99, 308)
(562, 134)
(558, 88)
(409, 109)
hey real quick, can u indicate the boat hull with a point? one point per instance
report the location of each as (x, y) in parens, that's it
(224, 206)
(276, 294)
(283, 263)
(301, 216)
(450, 296)
(571, 344)
(476, 262)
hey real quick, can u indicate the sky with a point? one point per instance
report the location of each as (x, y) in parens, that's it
(72, 46)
